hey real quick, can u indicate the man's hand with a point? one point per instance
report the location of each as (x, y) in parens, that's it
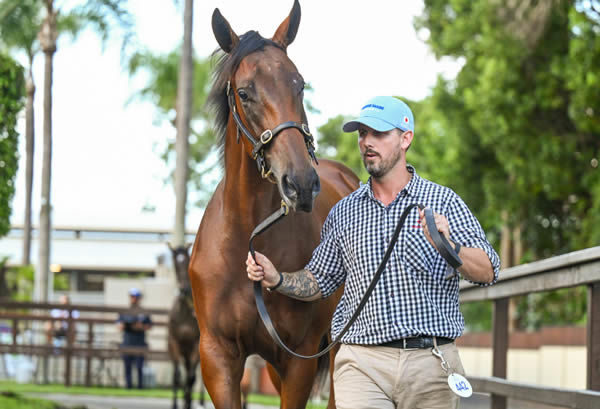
(441, 223)
(263, 271)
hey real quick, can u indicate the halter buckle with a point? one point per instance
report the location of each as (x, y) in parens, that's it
(285, 208)
(263, 174)
(266, 137)
(306, 130)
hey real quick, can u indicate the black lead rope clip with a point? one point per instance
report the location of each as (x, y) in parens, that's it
(442, 245)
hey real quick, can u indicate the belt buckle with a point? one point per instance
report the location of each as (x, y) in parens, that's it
(407, 348)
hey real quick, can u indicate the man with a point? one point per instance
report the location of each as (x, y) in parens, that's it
(134, 325)
(387, 358)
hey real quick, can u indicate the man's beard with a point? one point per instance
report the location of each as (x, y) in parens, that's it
(383, 166)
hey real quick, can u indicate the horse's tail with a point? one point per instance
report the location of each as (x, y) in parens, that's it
(322, 366)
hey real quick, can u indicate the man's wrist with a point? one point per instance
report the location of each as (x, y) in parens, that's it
(276, 286)
(456, 247)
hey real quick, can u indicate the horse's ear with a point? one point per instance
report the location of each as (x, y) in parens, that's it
(286, 32)
(170, 246)
(225, 36)
(188, 245)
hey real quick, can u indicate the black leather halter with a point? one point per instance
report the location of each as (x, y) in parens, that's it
(267, 136)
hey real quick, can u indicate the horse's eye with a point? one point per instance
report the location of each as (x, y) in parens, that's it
(243, 94)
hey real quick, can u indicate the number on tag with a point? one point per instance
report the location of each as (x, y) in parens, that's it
(460, 385)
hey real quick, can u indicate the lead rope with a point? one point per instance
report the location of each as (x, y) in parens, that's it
(442, 245)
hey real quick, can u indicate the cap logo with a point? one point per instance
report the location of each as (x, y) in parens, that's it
(405, 119)
(372, 106)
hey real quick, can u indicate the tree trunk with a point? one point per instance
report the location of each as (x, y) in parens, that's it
(29, 148)
(47, 38)
(183, 109)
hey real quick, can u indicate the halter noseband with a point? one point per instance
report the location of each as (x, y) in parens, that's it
(267, 136)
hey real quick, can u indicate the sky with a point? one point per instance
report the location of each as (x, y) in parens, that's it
(106, 167)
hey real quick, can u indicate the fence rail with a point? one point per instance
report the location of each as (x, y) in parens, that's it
(568, 270)
(38, 312)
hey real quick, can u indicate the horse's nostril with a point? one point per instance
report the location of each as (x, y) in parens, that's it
(316, 187)
(289, 187)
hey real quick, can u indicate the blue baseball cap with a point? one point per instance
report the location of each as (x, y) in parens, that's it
(383, 114)
(134, 292)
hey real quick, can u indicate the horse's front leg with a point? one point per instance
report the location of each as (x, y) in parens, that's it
(297, 382)
(176, 379)
(190, 373)
(222, 369)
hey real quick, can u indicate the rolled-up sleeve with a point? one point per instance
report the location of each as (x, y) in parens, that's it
(466, 230)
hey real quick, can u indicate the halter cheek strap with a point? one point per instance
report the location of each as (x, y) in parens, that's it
(258, 144)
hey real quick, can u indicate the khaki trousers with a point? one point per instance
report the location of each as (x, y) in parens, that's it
(388, 378)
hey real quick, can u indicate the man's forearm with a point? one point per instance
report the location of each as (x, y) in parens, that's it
(301, 285)
(476, 265)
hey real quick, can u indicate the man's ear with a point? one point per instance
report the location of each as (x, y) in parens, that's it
(407, 138)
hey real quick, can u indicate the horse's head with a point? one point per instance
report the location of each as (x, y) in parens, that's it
(264, 95)
(181, 262)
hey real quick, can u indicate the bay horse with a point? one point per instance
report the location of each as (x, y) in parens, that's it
(258, 90)
(183, 332)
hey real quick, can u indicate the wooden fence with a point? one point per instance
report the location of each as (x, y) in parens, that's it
(39, 312)
(568, 270)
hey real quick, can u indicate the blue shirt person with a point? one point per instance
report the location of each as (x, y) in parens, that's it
(134, 324)
(391, 356)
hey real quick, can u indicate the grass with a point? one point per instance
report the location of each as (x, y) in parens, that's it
(11, 400)
(21, 389)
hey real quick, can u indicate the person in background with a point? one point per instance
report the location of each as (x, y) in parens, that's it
(57, 330)
(134, 324)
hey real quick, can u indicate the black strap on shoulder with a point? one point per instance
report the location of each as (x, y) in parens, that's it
(439, 240)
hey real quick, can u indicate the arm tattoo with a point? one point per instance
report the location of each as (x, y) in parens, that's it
(301, 285)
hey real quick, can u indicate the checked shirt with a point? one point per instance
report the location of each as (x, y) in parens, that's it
(412, 297)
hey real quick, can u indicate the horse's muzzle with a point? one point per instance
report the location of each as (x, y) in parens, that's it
(301, 192)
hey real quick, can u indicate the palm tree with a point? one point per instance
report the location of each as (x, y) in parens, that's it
(102, 14)
(162, 90)
(47, 38)
(184, 108)
(19, 24)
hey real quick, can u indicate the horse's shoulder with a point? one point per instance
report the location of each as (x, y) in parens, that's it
(339, 175)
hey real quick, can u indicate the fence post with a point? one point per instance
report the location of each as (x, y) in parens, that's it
(593, 334)
(500, 347)
(15, 332)
(88, 358)
(69, 347)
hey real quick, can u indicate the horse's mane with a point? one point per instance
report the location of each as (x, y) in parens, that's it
(226, 65)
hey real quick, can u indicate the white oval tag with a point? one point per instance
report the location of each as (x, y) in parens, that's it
(460, 385)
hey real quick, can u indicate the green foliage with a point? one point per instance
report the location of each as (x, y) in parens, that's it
(339, 145)
(20, 282)
(11, 400)
(11, 102)
(521, 114)
(478, 315)
(20, 21)
(520, 127)
(566, 306)
(61, 282)
(161, 89)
